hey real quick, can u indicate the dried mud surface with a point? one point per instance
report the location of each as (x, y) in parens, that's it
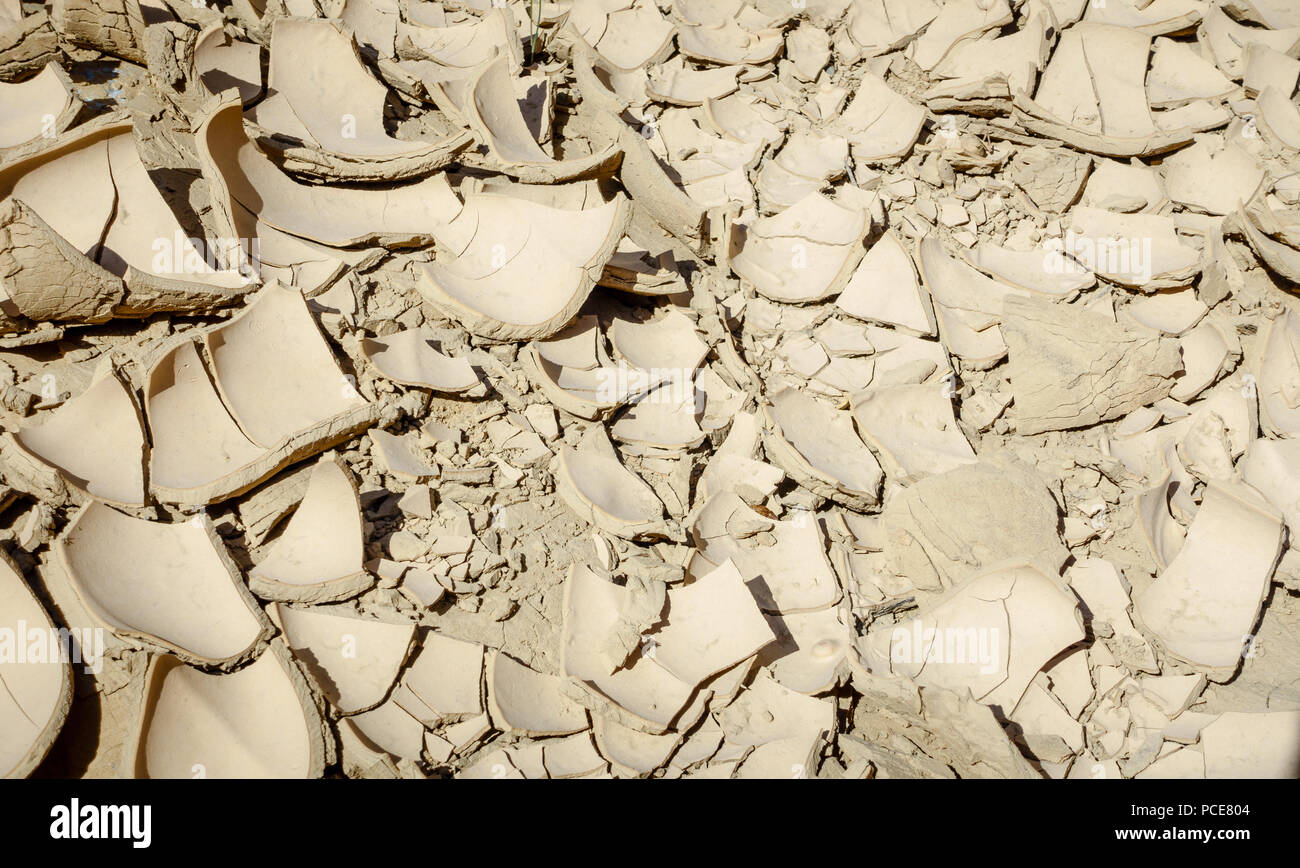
(650, 388)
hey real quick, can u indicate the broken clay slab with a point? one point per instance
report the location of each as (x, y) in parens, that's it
(956, 24)
(817, 445)
(990, 635)
(670, 340)
(1172, 312)
(1138, 251)
(410, 357)
(33, 257)
(880, 123)
(1278, 370)
(664, 418)
(913, 429)
(979, 75)
(130, 247)
(884, 289)
(391, 729)
(594, 484)
(576, 374)
(521, 270)
(37, 692)
(1225, 40)
(712, 623)
(881, 26)
(806, 253)
(533, 703)
(95, 442)
(27, 42)
(98, 241)
(949, 526)
(1210, 595)
(298, 262)
(641, 173)
(1105, 595)
(309, 133)
(734, 466)
(178, 394)
(641, 269)
(257, 722)
(1207, 349)
(728, 42)
(601, 646)
(967, 304)
(354, 660)
(451, 51)
(1173, 693)
(166, 585)
(204, 451)
(1092, 95)
(631, 752)
(1152, 18)
(446, 675)
(402, 456)
(318, 556)
(1041, 272)
(1273, 468)
(805, 164)
(1179, 75)
(492, 110)
(767, 713)
(808, 650)
(1162, 533)
(221, 62)
(1070, 368)
(742, 117)
(115, 27)
(1260, 745)
(1047, 729)
(1279, 118)
(1259, 224)
(783, 562)
(334, 215)
(626, 35)
(675, 83)
(276, 373)
(1212, 176)
(39, 108)
(1127, 187)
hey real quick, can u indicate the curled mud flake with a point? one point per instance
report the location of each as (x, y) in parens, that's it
(1199, 608)
(258, 722)
(36, 692)
(409, 357)
(171, 586)
(40, 108)
(108, 463)
(526, 269)
(529, 702)
(818, 445)
(596, 485)
(318, 556)
(354, 660)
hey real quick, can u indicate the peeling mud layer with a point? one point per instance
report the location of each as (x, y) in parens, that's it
(650, 388)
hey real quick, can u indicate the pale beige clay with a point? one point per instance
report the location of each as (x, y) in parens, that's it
(38, 691)
(258, 722)
(650, 389)
(171, 586)
(317, 558)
